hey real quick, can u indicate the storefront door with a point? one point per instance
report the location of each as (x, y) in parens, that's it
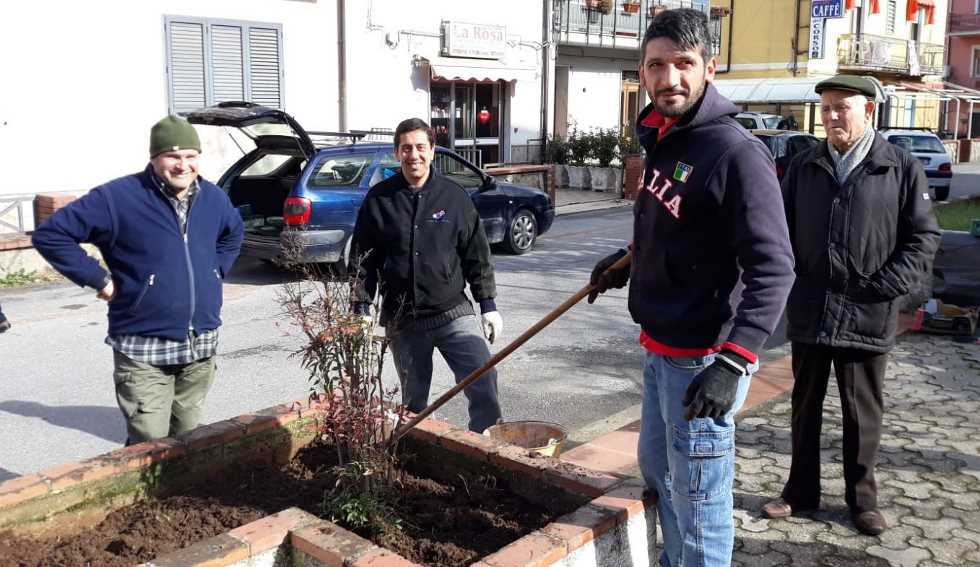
(467, 117)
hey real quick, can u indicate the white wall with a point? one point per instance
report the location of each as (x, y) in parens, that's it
(595, 90)
(383, 37)
(84, 81)
(874, 24)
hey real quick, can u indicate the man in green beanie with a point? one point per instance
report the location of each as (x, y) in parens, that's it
(168, 239)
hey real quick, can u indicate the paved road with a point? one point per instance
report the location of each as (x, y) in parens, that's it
(966, 180)
(56, 396)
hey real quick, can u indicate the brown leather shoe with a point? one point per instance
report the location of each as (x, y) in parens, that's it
(777, 509)
(870, 522)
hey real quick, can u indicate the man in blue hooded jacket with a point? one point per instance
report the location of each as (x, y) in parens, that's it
(168, 239)
(709, 212)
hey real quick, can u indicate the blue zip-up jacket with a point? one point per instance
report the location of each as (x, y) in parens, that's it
(166, 284)
(709, 212)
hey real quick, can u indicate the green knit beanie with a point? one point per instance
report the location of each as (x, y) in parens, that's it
(171, 134)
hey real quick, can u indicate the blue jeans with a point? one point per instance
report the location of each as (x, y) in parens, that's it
(465, 350)
(691, 464)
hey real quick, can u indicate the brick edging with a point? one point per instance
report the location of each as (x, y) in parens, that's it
(610, 499)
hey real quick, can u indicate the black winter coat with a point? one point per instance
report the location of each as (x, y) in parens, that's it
(858, 247)
(421, 248)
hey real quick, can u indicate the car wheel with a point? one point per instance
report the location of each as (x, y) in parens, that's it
(942, 193)
(521, 233)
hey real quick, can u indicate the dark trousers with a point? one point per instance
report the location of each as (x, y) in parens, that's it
(860, 375)
(464, 348)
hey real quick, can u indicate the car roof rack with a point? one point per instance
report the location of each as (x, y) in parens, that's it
(324, 138)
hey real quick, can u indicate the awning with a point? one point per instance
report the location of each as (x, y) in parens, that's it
(769, 91)
(477, 70)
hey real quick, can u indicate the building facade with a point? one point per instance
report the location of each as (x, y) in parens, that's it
(596, 77)
(963, 69)
(100, 73)
(899, 42)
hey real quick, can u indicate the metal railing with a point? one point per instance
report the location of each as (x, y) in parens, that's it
(472, 155)
(964, 23)
(10, 206)
(931, 58)
(623, 25)
(866, 52)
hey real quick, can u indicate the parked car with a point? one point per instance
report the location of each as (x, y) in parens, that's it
(299, 200)
(758, 120)
(784, 144)
(927, 147)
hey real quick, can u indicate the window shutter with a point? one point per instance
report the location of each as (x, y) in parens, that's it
(263, 45)
(187, 78)
(227, 64)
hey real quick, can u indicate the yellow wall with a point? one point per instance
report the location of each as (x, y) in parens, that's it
(763, 34)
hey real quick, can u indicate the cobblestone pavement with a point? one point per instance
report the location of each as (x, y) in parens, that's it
(928, 473)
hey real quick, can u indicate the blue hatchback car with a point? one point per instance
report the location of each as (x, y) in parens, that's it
(299, 199)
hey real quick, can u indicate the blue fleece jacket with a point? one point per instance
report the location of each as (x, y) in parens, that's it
(710, 211)
(166, 283)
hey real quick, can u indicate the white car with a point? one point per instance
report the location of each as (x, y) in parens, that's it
(758, 120)
(927, 147)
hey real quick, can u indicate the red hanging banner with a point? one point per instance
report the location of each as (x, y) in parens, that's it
(875, 7)
(930, 7)
(911, 10)
(850, 4)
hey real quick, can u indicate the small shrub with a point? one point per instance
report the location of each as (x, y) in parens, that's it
(557, 152)
(580, 148)
(604, 142)
(359, 501)
(345, 360)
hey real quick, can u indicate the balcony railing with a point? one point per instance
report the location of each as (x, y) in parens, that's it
(611, 23)
(964, 23)
(866, 52)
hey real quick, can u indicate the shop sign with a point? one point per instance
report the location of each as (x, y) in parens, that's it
(817, 38)
(474, 40)
(820, 9)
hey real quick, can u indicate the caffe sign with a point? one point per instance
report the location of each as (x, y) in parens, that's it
(474, 40)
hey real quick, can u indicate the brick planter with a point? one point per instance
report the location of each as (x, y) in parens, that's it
(611, 523)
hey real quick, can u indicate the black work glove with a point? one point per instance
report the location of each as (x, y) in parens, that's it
(712, 393)
(603, 280)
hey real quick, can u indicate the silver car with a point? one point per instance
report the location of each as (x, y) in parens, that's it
(927, 147)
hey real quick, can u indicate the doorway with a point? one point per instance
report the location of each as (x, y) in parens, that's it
(468, 118)
(629, 102)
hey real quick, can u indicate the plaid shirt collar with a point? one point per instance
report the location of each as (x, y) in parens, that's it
(180, 206)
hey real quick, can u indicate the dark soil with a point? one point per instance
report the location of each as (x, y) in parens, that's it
(441, 524)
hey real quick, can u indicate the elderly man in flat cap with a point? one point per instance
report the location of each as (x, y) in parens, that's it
(168, 238)
(862, 229)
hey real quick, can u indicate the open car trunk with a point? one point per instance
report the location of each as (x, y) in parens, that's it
(260, 182)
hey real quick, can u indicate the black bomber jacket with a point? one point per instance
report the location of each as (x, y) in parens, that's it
(420, 248)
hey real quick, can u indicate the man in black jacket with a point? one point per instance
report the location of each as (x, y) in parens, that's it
(863, 231)
(709, 211)
(418, 240)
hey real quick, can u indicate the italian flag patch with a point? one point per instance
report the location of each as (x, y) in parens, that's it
(682, 172)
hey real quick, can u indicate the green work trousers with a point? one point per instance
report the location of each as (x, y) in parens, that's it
(160, 401)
